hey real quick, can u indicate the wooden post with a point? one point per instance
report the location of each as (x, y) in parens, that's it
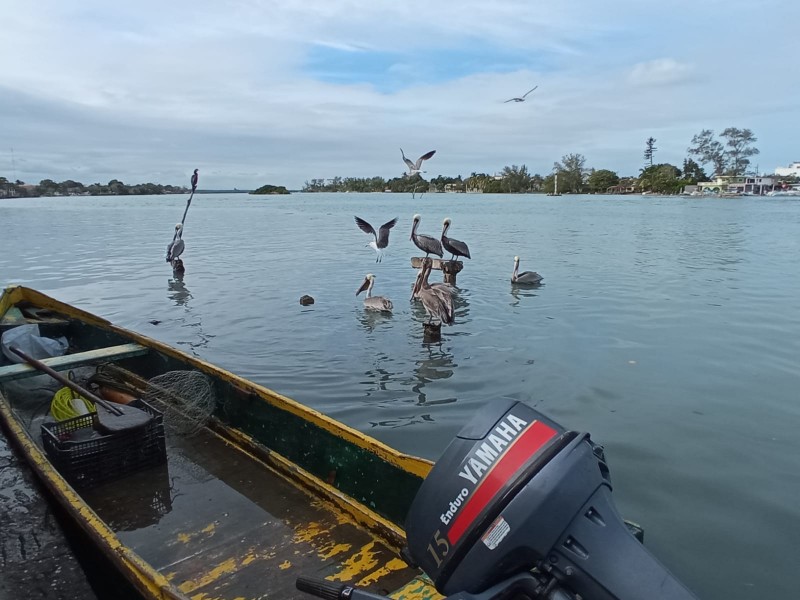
(449, 268)
(431, 332)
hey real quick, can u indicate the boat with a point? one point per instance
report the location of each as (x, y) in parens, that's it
(263, 491)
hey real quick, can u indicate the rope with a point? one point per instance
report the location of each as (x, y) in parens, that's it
(68, 404)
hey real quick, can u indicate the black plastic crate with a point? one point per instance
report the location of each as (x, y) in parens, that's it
(102, 457)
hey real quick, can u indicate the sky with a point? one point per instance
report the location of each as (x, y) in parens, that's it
(255, 92)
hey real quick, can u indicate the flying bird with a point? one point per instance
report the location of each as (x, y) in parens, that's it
(381, 238)
(454, 247)
(426, 243)
(175, 248)
(522, 98)
(194, 180)
(437, 300)
(529, 277)
(373, 302)
(414, 167)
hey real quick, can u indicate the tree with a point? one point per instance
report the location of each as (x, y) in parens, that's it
(662, 179)
(516, 179)
(708, 151)
(571, 173)
(599, 181)
(692, 172)
(649, 149)
(740, 149)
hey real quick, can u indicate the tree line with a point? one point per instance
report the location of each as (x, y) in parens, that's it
(48, 187)
(728, 156)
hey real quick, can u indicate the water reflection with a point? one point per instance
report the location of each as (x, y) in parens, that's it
(180, 295)
(523, 291)
(370, 319)
(178, 292)
(437, 363)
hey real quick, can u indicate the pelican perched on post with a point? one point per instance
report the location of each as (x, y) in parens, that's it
(414, 167)
(437, 299)
(381, 238)
(194, 180)
(426, 243)
(373, 302)
(529, 277)
(454, 247)
(175, 248)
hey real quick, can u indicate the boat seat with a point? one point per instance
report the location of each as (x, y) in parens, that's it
(69, 361)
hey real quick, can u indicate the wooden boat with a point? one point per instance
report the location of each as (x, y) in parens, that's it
(266, 491)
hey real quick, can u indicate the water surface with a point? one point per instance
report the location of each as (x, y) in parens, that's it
(667, 327)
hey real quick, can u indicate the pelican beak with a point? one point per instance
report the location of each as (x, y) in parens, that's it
(415, 289)
(363, 287)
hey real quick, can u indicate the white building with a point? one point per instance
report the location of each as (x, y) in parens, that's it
(792, 169)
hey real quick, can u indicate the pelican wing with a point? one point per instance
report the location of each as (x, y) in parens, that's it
(456, 247)
(365, 227)
(383, 234)
(425, 156)
(378, 303)
(177, 249)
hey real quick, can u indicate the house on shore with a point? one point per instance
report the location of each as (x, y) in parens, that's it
(753, 185)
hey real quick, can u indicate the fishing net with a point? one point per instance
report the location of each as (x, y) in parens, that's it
(185, 397)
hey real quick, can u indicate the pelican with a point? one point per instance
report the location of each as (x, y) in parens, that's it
(194, 181)
(373, 302)
(522, 98)
(531, 277)
(414, 167)
(175, 248)
(454, 247)
(426, 243)
(381, 238)
(437, 299)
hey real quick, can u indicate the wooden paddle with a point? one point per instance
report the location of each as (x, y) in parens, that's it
(111, 417)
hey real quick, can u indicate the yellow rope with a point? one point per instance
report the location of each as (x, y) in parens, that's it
(62, 407)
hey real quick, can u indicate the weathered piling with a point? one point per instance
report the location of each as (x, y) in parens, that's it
(449, 268)
(431, 332)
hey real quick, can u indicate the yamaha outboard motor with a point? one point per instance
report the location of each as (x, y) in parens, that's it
(519, 507)
(516, 494)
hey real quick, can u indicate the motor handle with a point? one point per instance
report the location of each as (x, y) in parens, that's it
(328, 590)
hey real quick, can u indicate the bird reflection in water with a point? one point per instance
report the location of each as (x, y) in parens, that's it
(180, 295)
(519, 292)
(437, 365)
(371, 319)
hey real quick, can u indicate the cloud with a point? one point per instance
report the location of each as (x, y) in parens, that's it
(661, 71)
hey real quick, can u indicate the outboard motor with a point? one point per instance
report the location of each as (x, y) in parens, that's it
(519, 507)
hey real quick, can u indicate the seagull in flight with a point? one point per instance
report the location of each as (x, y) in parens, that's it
(381, 237)
(522, 99)
(414, 167)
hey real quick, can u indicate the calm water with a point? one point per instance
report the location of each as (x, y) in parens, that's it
(669, 328)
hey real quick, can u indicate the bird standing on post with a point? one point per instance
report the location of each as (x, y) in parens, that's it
(381, 238)
(454, 247)
(426, 243)
(194, 180)
(176, 247)
(414, 167)
(437, 299)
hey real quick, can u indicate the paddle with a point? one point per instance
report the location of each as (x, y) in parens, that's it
(111, 417)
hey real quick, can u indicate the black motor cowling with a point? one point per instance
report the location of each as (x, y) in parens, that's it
(516, 492)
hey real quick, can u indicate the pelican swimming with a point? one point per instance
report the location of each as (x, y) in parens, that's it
(414, 167)
(454, 247)
(521, 98)
(175, 248)
(426, 243)
(381, 238)
(437, 299)
(531, 277)
(194, 180)
(373, 302)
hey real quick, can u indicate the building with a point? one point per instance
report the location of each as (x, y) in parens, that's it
(793, 170)
(754, 185)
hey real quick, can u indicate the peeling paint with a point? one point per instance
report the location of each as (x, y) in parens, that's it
(284, 565)
(394, 564)
(358, 564)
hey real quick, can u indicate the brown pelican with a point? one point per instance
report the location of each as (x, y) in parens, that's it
(522, 98)
(414, 167)
(426, 243)
(373, 302)
(194, 181)
(437, 300)
(454, 247)
(175, 248)
(381, 238)
(530, 277)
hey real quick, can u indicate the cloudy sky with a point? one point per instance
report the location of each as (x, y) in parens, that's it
(260, 91)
